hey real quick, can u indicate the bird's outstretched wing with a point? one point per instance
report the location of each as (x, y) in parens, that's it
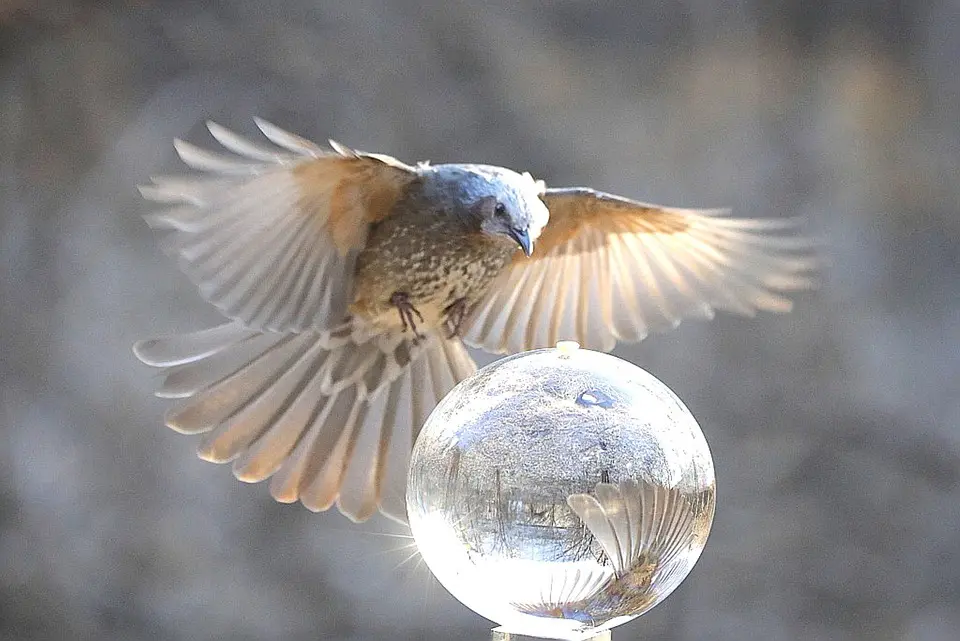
(270, 235)
(608, 268)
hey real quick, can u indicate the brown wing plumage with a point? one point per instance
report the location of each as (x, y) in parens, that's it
(608, 268)
(270, 235)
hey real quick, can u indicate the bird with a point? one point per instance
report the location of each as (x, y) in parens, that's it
(352, 285)
(645, 531)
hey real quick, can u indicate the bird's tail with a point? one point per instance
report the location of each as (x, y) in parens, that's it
(330, 417)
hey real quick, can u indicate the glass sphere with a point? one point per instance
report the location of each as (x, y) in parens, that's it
(561, 492)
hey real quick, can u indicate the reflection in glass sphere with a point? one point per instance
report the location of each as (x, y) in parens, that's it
(561, 492)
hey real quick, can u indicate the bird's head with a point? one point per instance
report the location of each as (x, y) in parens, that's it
(497, 202)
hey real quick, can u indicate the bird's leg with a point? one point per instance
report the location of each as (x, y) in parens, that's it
(455, 313)
(401, 300)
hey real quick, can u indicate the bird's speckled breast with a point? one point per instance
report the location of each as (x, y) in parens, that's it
(429, 256)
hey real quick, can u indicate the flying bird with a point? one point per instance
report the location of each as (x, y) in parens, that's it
(353, 282)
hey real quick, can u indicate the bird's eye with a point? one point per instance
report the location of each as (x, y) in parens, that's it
(500, 209)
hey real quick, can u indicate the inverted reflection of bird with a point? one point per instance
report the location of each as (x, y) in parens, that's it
(352, 281)
(645, 531)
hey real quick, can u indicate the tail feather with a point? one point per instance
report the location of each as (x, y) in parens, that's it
(183, 381)
(319, 486)
(382, 413)
(331, 418)
(168, 351)
(266, 454)
(323, 445)
(428, 379)
(265, 408)
(237, 391)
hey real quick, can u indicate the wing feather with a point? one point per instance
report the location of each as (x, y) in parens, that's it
(270, 235)
(636, 522)
(608, 268)
(244, 147)
(289, 141)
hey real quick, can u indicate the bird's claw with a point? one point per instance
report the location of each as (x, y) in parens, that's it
(455, 313)
(401, 300)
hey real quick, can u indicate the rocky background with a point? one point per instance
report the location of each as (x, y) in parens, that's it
(834, 429)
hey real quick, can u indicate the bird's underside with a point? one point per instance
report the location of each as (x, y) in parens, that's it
(351, 283)
(419, 273)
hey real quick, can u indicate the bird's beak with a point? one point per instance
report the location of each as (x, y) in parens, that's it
(522, 236)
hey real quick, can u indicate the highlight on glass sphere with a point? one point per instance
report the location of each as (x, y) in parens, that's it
(561, 492)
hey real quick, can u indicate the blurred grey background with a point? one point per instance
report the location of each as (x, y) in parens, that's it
(834, 429)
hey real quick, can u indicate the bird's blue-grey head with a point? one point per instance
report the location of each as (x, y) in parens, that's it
(496, 201)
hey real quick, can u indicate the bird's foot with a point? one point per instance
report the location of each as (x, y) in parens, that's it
(401, 300)
(455, 313)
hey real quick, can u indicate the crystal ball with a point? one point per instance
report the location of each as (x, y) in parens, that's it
(561, 492)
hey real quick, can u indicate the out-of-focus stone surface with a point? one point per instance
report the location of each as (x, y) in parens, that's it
(834, 430)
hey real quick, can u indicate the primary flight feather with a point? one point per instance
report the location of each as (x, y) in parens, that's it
(352, 281)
